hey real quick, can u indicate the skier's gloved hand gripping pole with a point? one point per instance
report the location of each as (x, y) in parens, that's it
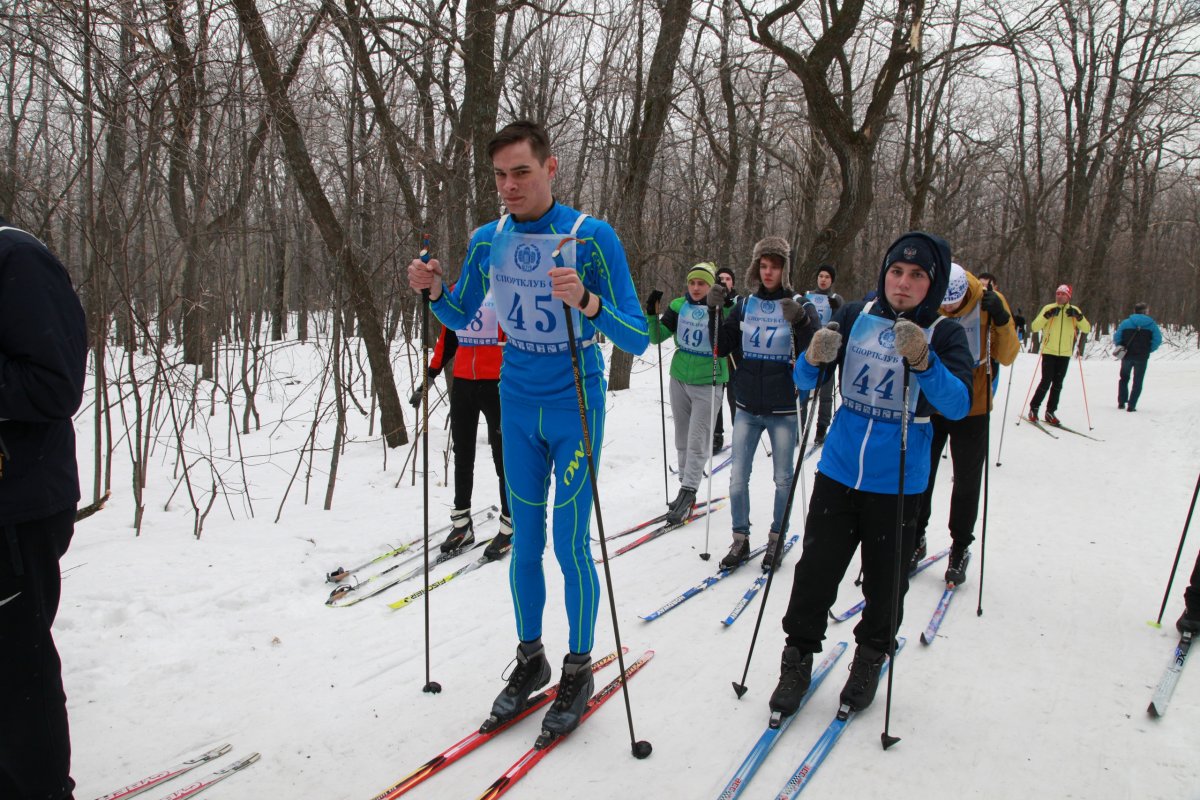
(431, 686)
(640, 749)
(828, 347)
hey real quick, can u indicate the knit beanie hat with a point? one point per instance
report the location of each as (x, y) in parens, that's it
(705, 271)
(957, 289)
(830, 269)
(913, 250)
(1065, 289)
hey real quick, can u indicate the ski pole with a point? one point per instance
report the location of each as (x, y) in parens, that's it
(1032, 378)
(885, 737)
(1187, 524)
(1086, 410)
(1007, 395)
(740, 688)
(655, 296)
(714, 314)
(431, 686)
(643, 748)
(987, 457)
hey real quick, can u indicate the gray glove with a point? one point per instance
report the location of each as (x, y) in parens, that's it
(824, 346)
(793, 312)
(716, 296)
(910, 343)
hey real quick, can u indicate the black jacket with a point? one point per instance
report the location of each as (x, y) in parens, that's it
(43, 358)
(765, 387)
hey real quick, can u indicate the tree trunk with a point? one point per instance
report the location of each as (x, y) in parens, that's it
(336, 242)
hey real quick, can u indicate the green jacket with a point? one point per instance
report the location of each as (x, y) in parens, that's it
(689, 368)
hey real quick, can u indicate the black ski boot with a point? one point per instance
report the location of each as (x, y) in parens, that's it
(773, 556)
(795, 675)
(1188, 623)
(739, 552)
(820, 436)
(918, 554)
(531, 673)
(501, 543)
(681, 506)
(462, 531)
(574, 691)
(718, 442)
(956, 572)
(860, 689)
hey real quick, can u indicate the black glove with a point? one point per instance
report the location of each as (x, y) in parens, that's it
(1051, 313)
(994, 306)
(716, 296)
(1074, 313)
(415, 400)
(793, 312)
(652, 302)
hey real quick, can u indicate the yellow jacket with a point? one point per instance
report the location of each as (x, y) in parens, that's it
(1004, 344)
(1059, 337)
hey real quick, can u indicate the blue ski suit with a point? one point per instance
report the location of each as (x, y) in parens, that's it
(539, 409)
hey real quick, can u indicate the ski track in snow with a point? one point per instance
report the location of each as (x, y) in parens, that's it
(172, 645)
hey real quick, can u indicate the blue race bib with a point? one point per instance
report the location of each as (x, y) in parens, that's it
(873, 372)
(483, 329)
(692, 330)
(531, 316)
(824, 309)
(766, 336)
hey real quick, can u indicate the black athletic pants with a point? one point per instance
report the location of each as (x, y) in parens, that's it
(1054, 370)
(968, 450)
(1191, 595)
(469, 399)
(35, 746)
(840, 519)
(1124, 394)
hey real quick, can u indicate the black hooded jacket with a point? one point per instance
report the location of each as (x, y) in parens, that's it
(43, 358)
(949, 340)
(765, 387)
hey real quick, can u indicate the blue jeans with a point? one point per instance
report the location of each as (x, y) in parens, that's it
(747, 429)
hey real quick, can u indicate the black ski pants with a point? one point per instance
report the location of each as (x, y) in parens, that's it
(469, 399)
(35, 746)
(1191, 595)
(968, 451)
(1136, 366)
(840, 521)
(1054, 371)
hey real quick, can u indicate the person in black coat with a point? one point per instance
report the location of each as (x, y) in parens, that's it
(43, 355)
(763, 332)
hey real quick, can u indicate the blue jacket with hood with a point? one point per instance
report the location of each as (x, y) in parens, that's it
(1139, 335)
(864, 453)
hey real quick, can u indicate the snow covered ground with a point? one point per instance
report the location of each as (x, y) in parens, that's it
(173, 645)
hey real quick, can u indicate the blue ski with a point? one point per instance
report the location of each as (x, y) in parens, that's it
(775, 729)
(697, 589)
(759, 582)
(829, 738)
(922, 565)
(939, 613)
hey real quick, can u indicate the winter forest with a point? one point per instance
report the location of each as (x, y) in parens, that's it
(238, 186)
(213, 173)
